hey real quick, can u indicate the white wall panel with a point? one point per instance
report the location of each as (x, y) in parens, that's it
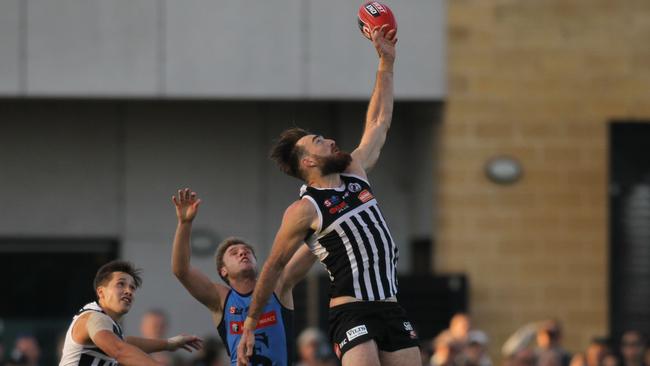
(342, 63)
(233, 49)
(59, 170)
(92, 47)
(10, 56)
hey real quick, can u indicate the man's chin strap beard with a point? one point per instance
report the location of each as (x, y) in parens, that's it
(336, 164)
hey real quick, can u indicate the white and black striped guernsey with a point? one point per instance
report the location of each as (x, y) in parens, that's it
(353, 240)
(75, 354)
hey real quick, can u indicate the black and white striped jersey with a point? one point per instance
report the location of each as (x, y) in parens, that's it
(353, 240)
(75, 354)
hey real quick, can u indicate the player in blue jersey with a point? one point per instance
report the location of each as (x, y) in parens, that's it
(236, 264)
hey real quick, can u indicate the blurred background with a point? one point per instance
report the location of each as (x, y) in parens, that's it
(515, 178)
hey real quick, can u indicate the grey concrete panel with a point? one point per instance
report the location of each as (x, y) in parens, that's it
(342, 63)
(92, 47)
(59, 169)
(10, 47)
(233, 48)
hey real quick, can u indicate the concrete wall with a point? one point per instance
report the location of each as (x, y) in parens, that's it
(227, 49)
(538, 80)
(108, 169)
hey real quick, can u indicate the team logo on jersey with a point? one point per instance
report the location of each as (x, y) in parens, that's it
(235, 310)
(365, 196)
(235, 327)
(354, 187)
(356, 332)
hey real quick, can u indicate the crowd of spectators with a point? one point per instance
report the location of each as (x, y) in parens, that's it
(534, 344)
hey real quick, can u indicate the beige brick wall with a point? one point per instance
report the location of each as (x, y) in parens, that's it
(538, 80)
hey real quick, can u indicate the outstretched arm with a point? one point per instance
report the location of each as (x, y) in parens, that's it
(148, 345)
(380, 108)
(296, 223)
(197, 284)
(293, 273)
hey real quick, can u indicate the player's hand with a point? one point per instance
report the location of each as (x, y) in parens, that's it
(184, 341)
(245, 347)
(384, 41)
(187, 205)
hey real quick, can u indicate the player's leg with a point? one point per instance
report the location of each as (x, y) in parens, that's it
(364, 354)
(403, 357)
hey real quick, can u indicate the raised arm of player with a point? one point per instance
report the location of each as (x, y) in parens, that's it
(298, 220)
(196, 282)
(380, 108)
(294, 272)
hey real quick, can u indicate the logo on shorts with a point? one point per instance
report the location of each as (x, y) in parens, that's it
(356, 332)
(354, 187)
(342, 344)
(408, 326)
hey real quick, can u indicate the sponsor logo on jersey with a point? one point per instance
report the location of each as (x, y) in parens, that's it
(365, 196)
(266, 320)
(356, 332)
(235, 310)
(338, 208)
(331, 201)
(354, 187)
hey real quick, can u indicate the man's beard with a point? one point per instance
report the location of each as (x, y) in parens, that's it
(336, 163)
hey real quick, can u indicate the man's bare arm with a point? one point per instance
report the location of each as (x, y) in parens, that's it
(293, 273)
(196, 282)
(296, 223)
(380, 107)
(149, 345)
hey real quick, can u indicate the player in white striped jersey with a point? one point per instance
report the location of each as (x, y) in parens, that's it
(95, 336)
(339, 218)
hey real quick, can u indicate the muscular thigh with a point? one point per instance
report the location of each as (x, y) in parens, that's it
(364, 354)
(403, 357)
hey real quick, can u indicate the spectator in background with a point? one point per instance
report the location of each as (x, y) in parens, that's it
(598, 348)
(632, 348)
(445, 350)
(211, 354)
(27, 346)
(549, 337)
(314, 349)
(459, 327)
(610, 359)
(475, 352)
(578, 360)
(153, 325)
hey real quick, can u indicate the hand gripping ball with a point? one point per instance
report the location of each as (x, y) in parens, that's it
(374, 14)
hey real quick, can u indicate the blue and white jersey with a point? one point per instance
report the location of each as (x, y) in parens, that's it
(273, 336)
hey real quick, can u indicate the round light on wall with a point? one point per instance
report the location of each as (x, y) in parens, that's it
(204, 242)
(503, 170)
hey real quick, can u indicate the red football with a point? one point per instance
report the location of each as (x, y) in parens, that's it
(373, 14)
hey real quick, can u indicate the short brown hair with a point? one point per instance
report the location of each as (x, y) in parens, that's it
(286, 154)
(105, 273)
(221, 251)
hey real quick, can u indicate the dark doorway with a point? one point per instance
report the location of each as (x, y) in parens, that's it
(46, 282)
(629, 200)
